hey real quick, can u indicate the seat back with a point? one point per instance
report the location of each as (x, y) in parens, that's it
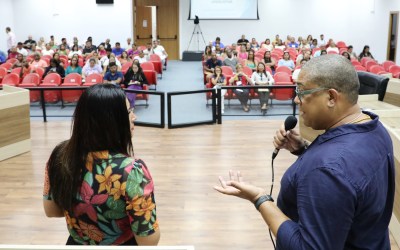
(11, 79)
(283, 94)
(12, 60)
(125, 67)
(6, 65)
(248, 71)
(387, 64)
(330, 52)
(341, 44)
(31, 78)
(282, 77)
(359, 68)
(283, 69)
(227, 71)
(155, 57)
(16, 70)
(364, 60)
(375, 69)
(356, 63)
(73, 78)
(52, 78)
(147, 66)
(93, 79)
(3, 73)
(369, 64)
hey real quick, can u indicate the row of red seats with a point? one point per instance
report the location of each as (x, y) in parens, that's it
(370, 65)
(54, 80)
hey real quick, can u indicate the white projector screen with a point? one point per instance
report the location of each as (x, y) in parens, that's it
(224, 9)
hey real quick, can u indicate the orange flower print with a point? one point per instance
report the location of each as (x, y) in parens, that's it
(91, 231)
(107, 179)
(118, 190)
(144, 207)
(71, 222)
(101, 155)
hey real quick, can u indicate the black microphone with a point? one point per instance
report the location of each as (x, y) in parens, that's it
(290, 123)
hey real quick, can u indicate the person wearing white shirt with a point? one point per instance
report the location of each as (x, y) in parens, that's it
(11, 41)
(75, 50)
(47, 51)
(148, 51)
(321, 40)
(141, 58)
(262, 77)
(21, 50)
(128, 44)
(160, 51)
(332, 47)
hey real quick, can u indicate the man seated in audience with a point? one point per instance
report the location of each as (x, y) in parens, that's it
(28, 43)
(106, 57)
(211, 64)
(306, 55)
(321, 41)
(13, 53)
(353, 54)
(19, 62)
(280, 45)
(128, 44)
(38, 62)
(242, 40)
(293, 43)
(21, 49)
(160, 51)
(113, 76)
(254, 44)
(218, 41)
(230, 60)
(64, 42)
(52, 40)
(332, 47)
(117, 50)
(148, 51)
(89, 49)
(91, 68)
(76, 42)
(107, 44)
(141, 57)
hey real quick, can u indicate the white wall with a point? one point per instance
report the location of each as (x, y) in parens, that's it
(6, 20)
(357, 22)
(81, 18)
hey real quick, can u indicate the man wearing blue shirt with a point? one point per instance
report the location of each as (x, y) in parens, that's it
(117, 50)
(339, 193)
(113, 76)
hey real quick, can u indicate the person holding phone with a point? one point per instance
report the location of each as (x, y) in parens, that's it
(241, 79)
(134, 79)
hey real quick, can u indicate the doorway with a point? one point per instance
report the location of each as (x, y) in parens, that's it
(392, 36)
(161, 16)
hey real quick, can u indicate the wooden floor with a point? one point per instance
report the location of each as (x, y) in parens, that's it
(184, 163)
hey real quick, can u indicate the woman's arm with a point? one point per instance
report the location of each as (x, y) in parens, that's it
(51, 209)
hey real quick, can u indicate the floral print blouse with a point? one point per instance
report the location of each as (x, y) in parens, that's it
(116, 199)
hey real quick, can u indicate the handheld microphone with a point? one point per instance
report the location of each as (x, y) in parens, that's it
(290, 123)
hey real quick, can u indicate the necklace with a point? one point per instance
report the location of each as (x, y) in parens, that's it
(355, 119)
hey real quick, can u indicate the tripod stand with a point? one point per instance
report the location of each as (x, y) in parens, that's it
(198, 32)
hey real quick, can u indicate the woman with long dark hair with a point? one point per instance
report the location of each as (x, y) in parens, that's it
(262, 77)
(93, 180)
(134, 79)
(365, 53)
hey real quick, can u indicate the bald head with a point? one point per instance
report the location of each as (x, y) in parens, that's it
(332, 71)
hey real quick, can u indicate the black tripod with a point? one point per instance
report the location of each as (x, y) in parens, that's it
(198, 32)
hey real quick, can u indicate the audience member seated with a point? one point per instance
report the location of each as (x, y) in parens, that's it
(148, 51)
(332, 47)
(254, 44)
(75, 50)
(267, 45)
(280, 46)
(113, 76)
(218, 41)
(65, 43)
(218, 50)
(276, 40)
(54, 68)
(269, 61)
(347, 55)
(243, 53)
(113, 59)
(241, 79)
(248, 47)
(304, 45)
(107, 44)
(306, 55)
(20, 61)
(365, 53)
(210, 65)
(160, 51)
(41, 43)
(133, 51)
(28, 43)
(293, 43)
(321, 40)
(218, 80)
(287, 41)
(21, 49)
(251, 61)
(117, 50)
(74, 67)
(25, 70)
(230, 60)
(242, 40)
(13, 53)
(353, 54)
(134, 79)
(128, 44)
(33, 50)
(141, 58)
(47, 51)
(91, 68)
(324, 52)
(101, 51)
(88, 49)
(285, 61)
(207, 53)
(63, 50)
(105, 58)
(38, 62)
(296, 72)
(53, 46)
(262, 77)
(314, 44)
(310, 39)
(3, 57)
(124, 58)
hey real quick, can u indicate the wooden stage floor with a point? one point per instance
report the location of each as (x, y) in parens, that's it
(185, 164)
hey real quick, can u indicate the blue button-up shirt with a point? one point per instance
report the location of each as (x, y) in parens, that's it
(339, 193)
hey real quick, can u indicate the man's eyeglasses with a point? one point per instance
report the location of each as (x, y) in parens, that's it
(301, 93)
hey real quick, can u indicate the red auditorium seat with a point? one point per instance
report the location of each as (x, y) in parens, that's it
(93, 79)
(71, 80)
(156, 60)
(52, 80)
(360, 68)
(386, 65)
(32, 80)
(283, 69)
(6, 65)
(11, 79)
(3, 72)
(125, 67)
(395, 70)
(377, 69)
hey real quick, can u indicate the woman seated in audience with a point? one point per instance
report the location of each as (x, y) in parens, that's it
(91, 68)
(218, 80)
(267, 45)
(41, 43)
(54, 68)
(74, 50)
(347, 55)
(251, 61)
(365, 53)
(38, 62)
(304, 45)
(241, 79)
(309, 39)
(218, 50)
(314, 44)
(353, 54)
(20, 61)
(332, 47)
(94, 180)
(124, 58)
(286, 61)
(114, 60)
(56, 56)
(74, 67)
(248, 47)
(133, 51)
(207, 53)
(134, 79)
(296, 72)
(63, 50)
(262, 77)
(101, 51)
(280, 45)
(269, 61)
(254, 44)
(242, 54)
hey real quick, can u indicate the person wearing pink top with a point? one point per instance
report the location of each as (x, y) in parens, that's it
(37, 62)
(242, 54)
